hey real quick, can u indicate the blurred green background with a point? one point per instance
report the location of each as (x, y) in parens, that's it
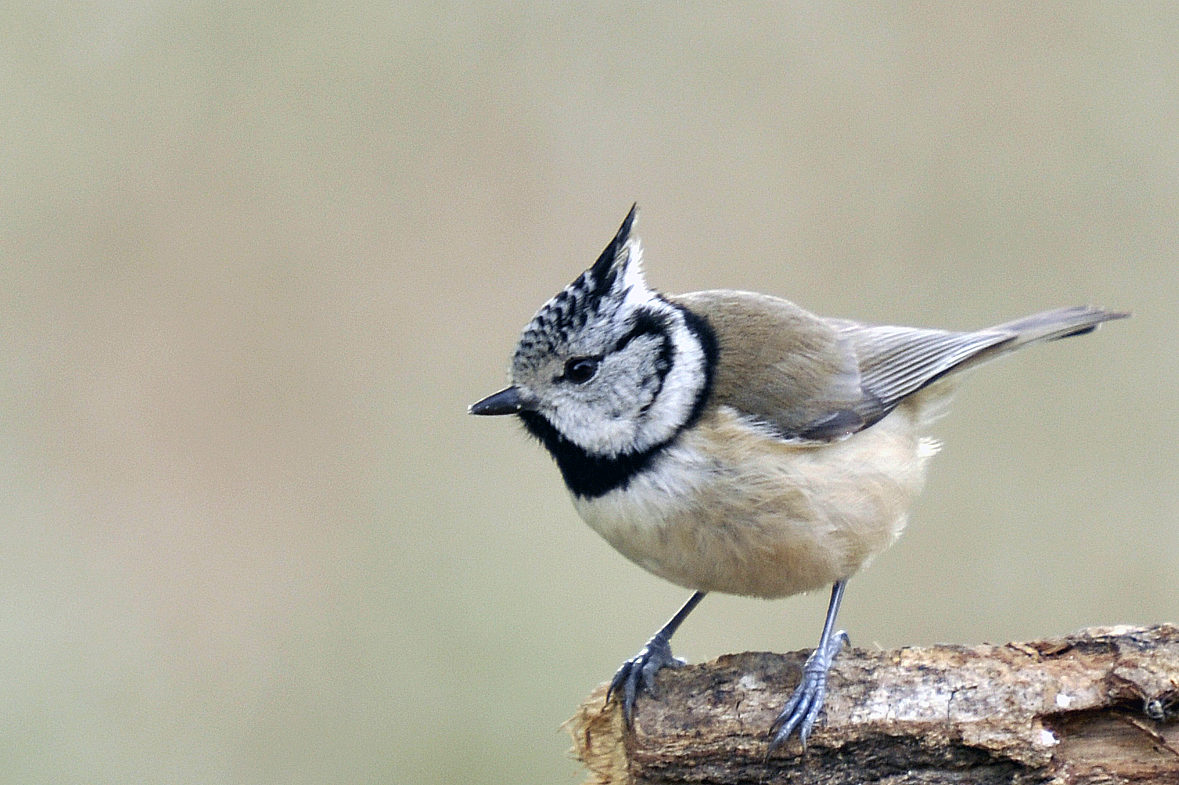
(258, 258)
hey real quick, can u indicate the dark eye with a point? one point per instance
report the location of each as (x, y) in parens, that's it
(580, 370)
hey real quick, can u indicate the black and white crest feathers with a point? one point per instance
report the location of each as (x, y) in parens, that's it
(593, 295)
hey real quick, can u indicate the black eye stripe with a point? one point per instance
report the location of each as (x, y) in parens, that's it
(580, 370)
(646, 323)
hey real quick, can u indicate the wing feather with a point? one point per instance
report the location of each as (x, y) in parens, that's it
(807, 378)
(896, 362)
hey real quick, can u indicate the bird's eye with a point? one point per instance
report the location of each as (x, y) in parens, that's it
(580, 370)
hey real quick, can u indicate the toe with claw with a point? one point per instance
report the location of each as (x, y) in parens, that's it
(801, 711)
(637, 675)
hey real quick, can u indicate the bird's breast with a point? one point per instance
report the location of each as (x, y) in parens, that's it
(729, 508)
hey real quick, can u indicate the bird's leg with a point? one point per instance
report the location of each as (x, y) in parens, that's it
(802, 709)
(638, 673)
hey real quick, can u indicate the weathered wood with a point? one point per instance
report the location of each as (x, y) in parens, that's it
(1098, 706)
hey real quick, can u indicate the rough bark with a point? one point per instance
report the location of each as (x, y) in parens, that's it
(1098, 706)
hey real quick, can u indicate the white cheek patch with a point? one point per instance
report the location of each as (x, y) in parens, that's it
(616, 421)
(604, 436)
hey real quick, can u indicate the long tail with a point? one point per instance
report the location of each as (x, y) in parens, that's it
(896, 362)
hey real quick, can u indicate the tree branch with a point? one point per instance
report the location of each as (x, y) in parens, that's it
(1098, 706)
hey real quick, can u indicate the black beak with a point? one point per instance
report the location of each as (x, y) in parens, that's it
(511, 400)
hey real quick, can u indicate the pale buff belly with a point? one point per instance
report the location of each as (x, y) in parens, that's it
(761, 517)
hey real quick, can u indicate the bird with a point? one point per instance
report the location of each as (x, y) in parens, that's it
(730, 441)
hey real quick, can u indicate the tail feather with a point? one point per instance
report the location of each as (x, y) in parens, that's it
(1054, 325)
(895, 362)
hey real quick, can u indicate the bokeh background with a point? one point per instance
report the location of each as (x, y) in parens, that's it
(258, 259)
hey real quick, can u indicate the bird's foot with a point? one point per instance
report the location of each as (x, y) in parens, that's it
(637, 675)
(801, 711)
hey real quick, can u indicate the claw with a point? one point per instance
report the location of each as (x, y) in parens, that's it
(802, 710)
(637, 675)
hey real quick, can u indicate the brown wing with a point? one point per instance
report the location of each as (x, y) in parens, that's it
(815, 379)
(794, 372)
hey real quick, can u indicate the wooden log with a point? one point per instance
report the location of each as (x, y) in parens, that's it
(1098, 706)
